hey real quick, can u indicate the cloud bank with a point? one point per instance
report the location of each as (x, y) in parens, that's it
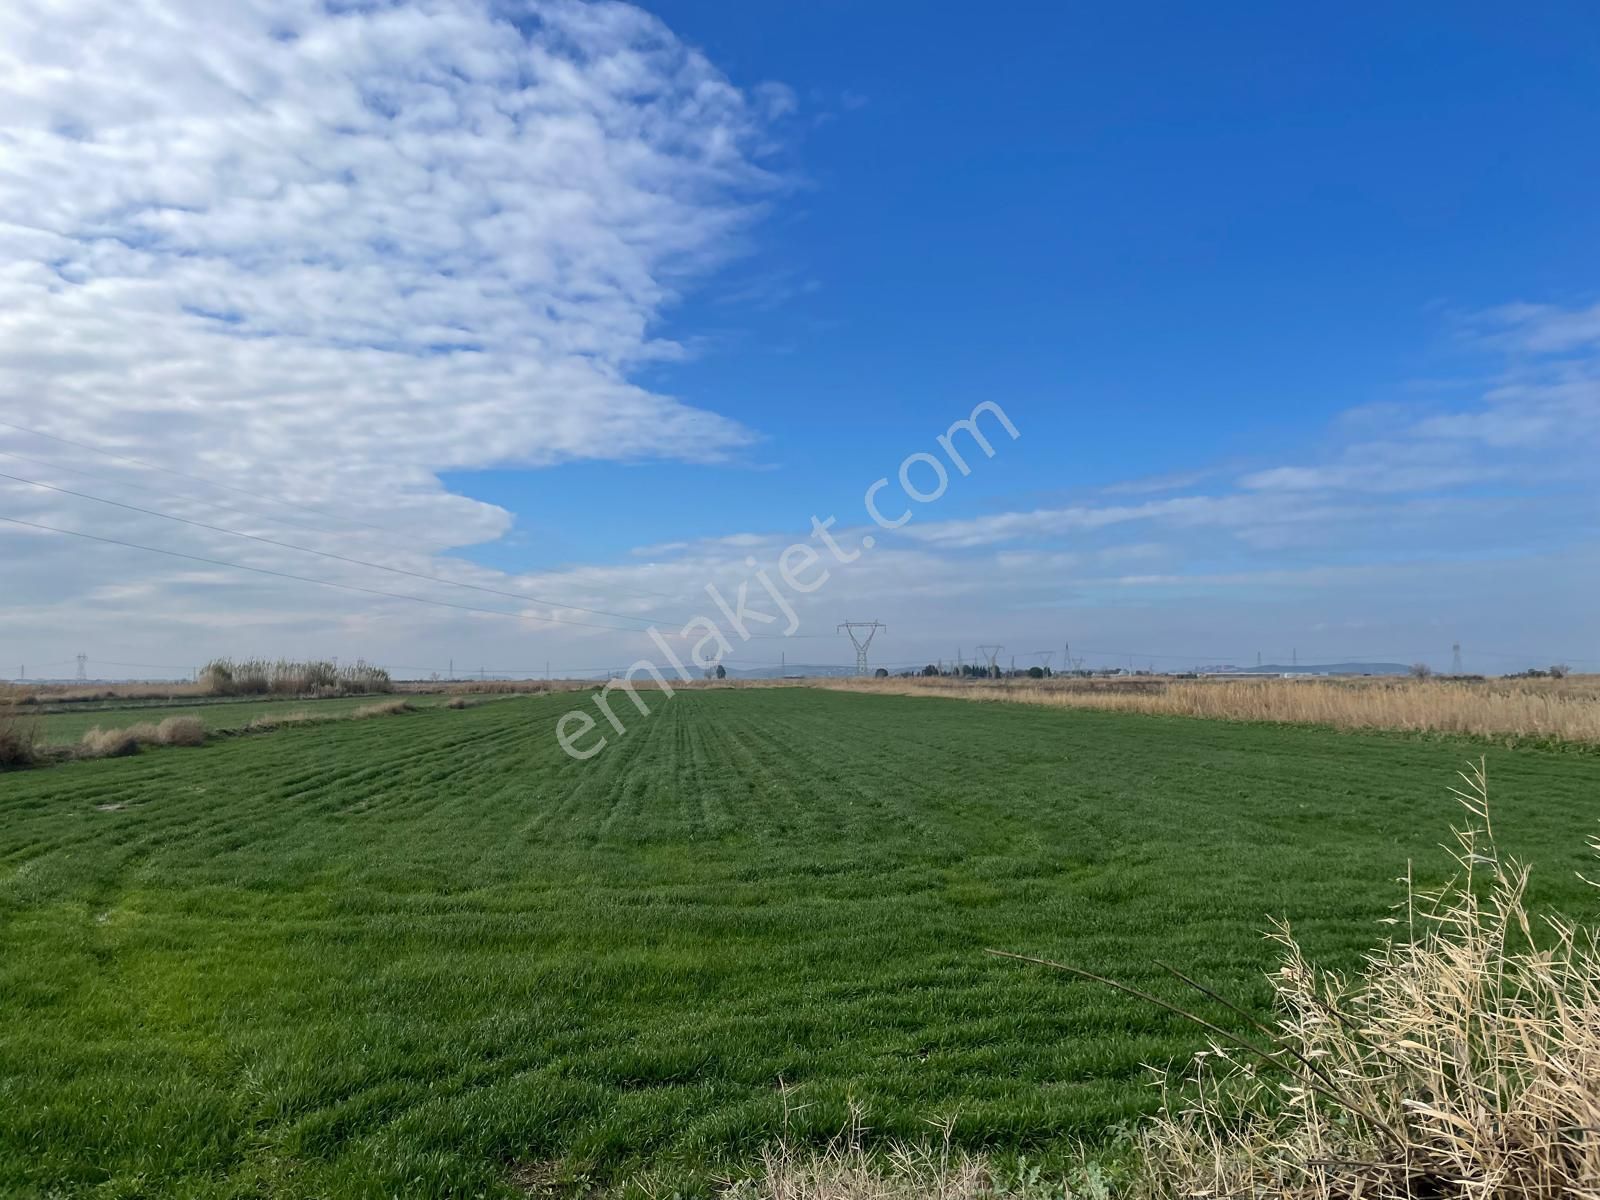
(336, 252)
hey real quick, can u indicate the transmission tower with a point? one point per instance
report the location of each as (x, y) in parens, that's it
(991, 653)
(1047, 655)
(861, 635)
(1455, 659)
(83, 667)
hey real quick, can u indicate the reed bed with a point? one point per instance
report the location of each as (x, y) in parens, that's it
(259, 677)
(1463, 1062)
(1560, 710)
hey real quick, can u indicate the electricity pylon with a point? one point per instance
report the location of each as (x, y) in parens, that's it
(991, 653)
(861, 642)
(83, 667)
(1047, 655)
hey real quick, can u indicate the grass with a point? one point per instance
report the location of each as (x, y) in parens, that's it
(1564, 710)
(434, 956)
(60, 728)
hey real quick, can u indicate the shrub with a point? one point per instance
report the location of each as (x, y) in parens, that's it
(181, 731)
(1421, 670)
(116, 743)
(19, 738)
(459, 702)
(111, 743)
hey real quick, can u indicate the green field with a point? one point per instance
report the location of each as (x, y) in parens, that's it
(400, 957)
(69, 724)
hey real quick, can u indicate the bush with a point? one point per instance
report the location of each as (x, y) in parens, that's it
(459, 702)
(117, 743)
(19, 739)
(1421, 671)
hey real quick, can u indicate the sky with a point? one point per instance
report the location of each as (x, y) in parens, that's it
(470, 336)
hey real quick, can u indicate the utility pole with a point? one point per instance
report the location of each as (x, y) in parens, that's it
(991, 653)
(452, 669)
(861, 635)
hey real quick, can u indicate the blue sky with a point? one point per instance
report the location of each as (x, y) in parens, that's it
(1168, 237)
(1296, 311)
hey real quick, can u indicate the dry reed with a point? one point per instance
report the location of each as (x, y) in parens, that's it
(1497, 708)
(115, 743)
(1461, 1063)
(258, 677)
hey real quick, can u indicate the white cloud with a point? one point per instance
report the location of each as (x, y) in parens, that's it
(336, 253)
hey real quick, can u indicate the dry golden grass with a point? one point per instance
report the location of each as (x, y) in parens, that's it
(266, 723)
(1462, 1063)
(1565, 709)
(70, 693)
(847, 1173)
(387, 708)
(114, 743)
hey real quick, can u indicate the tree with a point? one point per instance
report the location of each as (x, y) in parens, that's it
(1421, 671)
(722, 671)
(1560, 671)
(881, 673)
(1035, 672)
(930, 669)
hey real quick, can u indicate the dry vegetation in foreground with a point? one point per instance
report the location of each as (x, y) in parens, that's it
(1461, 1063)
(1562, 710)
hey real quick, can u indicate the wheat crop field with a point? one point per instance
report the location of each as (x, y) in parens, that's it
(432, 955)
